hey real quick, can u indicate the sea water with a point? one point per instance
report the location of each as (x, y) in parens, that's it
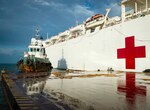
(9, 67)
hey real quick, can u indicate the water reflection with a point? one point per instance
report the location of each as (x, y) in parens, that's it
(121, 92)
(62, 63)
(132, 91)
(34, 85)
(124, 91)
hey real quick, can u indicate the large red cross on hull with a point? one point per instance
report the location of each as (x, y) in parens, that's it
(130, 52)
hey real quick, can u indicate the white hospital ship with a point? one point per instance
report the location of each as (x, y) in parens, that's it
(99, 43)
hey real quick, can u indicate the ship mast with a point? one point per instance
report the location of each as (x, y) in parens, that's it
(47, 35)
(37, 33)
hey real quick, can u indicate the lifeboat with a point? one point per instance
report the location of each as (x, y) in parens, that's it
(97, 16)
(94, 21)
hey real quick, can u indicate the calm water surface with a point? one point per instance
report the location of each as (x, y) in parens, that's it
(127, 91)
(9, 67)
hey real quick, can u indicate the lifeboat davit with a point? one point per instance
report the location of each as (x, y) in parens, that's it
(77, 28)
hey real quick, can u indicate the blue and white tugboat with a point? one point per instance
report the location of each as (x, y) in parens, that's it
(35, 60)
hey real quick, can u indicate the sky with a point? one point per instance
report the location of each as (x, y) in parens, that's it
(20, 18)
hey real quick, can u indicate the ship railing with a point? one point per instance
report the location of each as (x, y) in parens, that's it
(132, 16)
(93, 21)
(142, 11)
(62, 39)
(143, 8)
(149, 7)
(72, 35)
(108, 24)
(130, 12)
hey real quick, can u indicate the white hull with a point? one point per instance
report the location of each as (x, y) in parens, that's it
(98, 50)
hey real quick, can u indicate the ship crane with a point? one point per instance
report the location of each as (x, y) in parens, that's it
(105, 19)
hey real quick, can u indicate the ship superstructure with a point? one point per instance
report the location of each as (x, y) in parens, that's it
(36, 47)
(99, 43)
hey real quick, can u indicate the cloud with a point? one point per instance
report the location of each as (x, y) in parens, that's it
(79, 12)
(42, 2)
(49, 3)
(64, 10)
(10, 55)
(56, 5)
(82, 10)
(74, 9)
(9, 51)
(115, 8)
(6, 51)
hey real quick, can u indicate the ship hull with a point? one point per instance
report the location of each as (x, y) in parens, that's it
(100, 50)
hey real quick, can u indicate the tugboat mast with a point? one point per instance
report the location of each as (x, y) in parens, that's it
(37, 33)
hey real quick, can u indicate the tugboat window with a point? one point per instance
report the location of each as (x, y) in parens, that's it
(31, 49)
(29, 88)
(44, 50)
(34, 49)
(38, 50)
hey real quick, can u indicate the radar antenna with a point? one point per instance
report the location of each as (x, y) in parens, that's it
(47, 35)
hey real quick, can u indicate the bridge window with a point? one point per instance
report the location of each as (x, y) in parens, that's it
(33, 89)
(38, 49)
(44, 50)
(34, 49)
(29, 88)
(30, 50)
(36, 89)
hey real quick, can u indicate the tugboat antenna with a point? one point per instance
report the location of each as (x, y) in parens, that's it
(47, 35)
(76, 21)
(37, 33)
